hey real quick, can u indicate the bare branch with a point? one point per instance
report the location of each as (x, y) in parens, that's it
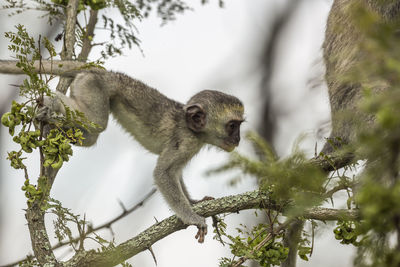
(337, 188)
(69, 41)
(55, 67)
(87, 41)
(327, 214)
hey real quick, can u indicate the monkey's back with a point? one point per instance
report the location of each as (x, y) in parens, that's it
(143, 111)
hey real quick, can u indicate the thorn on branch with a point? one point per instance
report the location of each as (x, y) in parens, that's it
(122, 205)
(153, 255)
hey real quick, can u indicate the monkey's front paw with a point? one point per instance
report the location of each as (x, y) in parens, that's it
(201, 233)
(200, 222)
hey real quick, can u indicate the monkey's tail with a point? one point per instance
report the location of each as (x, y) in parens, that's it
(54, 67)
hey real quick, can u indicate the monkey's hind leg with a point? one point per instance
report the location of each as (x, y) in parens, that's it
(89, 96)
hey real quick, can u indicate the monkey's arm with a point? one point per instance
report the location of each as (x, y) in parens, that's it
(167, 175)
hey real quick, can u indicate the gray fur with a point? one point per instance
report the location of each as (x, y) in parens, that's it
(343, 51)
(160, 124)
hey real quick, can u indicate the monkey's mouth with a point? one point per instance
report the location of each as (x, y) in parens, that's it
(229, 146)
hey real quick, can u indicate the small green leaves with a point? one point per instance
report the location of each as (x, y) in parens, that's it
(258, 244)
(18, 114)
(37, 193)
(32, 193)
(16, 160)
(29, 140)
(57, 148)
(96, 4)
(26, 52)
(346, 232)
(304, 252)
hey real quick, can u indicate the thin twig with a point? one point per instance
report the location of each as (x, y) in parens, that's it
(337, 188)
(215, 221)
(110, 222)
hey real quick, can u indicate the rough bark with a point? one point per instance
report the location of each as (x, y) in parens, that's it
(69, 41)
(87, 42)
(56, 67)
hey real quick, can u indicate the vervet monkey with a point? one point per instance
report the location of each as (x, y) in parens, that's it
(343, 53)
(174, 131)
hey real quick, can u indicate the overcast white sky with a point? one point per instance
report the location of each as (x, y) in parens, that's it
(210, 48)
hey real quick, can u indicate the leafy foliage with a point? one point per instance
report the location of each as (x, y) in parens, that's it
(261, 244)
(347, 232)
(56, 147)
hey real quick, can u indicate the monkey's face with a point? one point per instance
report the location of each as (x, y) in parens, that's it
(216, 118)
(223, 127)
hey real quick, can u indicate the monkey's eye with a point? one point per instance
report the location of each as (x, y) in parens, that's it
(232, 126)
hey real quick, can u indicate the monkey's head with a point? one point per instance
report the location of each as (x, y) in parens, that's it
(215, 117)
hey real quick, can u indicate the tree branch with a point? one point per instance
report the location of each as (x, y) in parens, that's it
(143, 241)
(35, 214)
(39, 239)
(333, 162)
(56, 67)
(87, 42)
(69, 41)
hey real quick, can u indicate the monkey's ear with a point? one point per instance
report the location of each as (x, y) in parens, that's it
(195, 117)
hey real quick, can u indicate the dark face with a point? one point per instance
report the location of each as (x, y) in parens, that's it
(232, 138)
